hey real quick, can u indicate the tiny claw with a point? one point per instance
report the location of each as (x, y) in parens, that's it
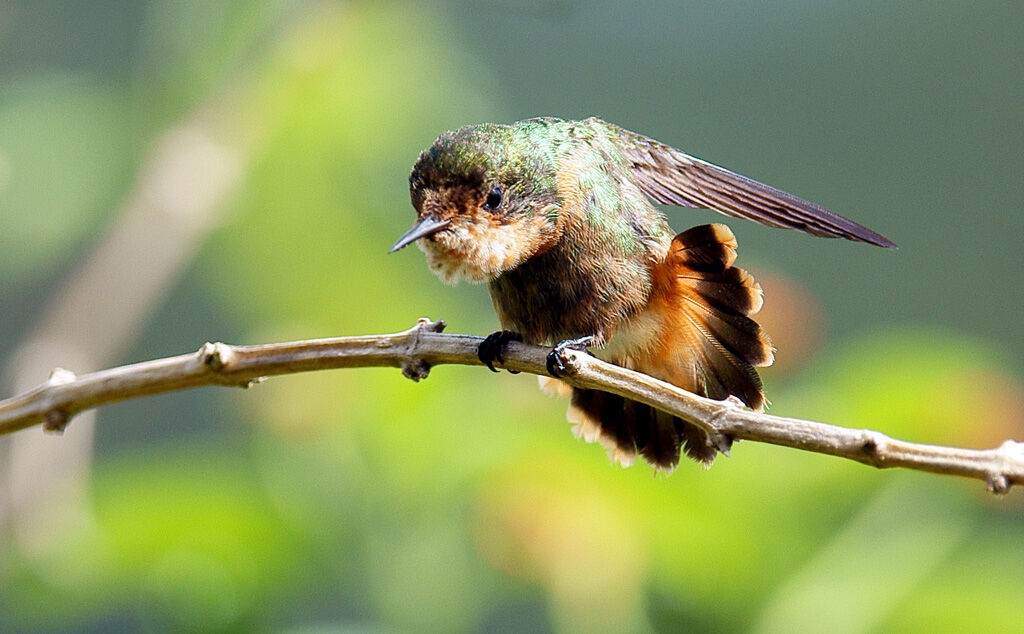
(493, 348)
(556, 366)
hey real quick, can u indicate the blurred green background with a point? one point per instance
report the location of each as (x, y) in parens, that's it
(175, 172)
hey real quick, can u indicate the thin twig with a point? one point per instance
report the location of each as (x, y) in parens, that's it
(416, 350)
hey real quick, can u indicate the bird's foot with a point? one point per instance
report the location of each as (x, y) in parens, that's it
(556, 366)
(492, 348)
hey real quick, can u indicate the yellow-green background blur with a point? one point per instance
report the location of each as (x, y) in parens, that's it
(270, 144)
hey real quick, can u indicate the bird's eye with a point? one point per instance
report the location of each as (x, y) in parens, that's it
(493, 199)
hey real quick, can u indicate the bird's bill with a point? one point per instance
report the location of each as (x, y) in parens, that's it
(426, 226)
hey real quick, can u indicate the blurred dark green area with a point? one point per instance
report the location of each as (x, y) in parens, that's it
(359, 501)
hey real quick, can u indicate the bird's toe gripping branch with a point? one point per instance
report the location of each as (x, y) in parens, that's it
(492, 348)
(556, 364)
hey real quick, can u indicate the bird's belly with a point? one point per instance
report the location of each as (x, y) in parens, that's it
(556, 296)
(545, 310)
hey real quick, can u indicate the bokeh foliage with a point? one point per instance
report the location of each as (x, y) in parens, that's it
(359, 500)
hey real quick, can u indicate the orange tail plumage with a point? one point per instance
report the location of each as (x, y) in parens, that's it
(696, 333)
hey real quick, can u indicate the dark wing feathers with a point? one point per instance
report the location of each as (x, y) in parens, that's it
(672, 177)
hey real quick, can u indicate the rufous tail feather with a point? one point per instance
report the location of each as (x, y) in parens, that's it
(705, 342)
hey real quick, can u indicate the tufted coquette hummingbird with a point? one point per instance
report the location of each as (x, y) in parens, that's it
(556, 217)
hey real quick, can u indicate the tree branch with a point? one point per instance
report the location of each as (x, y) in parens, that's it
(416, 350)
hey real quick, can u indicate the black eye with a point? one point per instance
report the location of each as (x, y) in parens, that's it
(493, 199)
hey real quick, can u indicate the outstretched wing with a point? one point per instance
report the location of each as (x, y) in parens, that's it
(672, 177)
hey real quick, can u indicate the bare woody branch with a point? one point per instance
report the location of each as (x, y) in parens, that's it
(416, 350)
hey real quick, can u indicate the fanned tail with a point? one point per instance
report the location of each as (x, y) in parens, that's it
(714, 301)
(696, 333)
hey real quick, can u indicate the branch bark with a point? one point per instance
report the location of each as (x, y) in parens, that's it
(416, 350)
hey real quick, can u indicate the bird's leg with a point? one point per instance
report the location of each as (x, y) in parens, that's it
(554, 362)
(493, 348)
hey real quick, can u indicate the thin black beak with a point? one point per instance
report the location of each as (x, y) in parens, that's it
(427, 226)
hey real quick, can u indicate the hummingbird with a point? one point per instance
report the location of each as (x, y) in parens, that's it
(556, 217)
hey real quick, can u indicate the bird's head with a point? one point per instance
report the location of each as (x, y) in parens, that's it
(485, 202)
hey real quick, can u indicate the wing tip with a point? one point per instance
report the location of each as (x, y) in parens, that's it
(885, 243)
(672, 177)
(863, 234)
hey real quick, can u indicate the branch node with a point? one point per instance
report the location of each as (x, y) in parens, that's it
(872, 445)
(734, 402)
(997, 483)
(569, 360)
(245, 385)
(215, 355)
(1012, 449)
(721, 442)
(60, 376)
(415, 369)
(720, 416)
(425, 324)
(56, 421)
